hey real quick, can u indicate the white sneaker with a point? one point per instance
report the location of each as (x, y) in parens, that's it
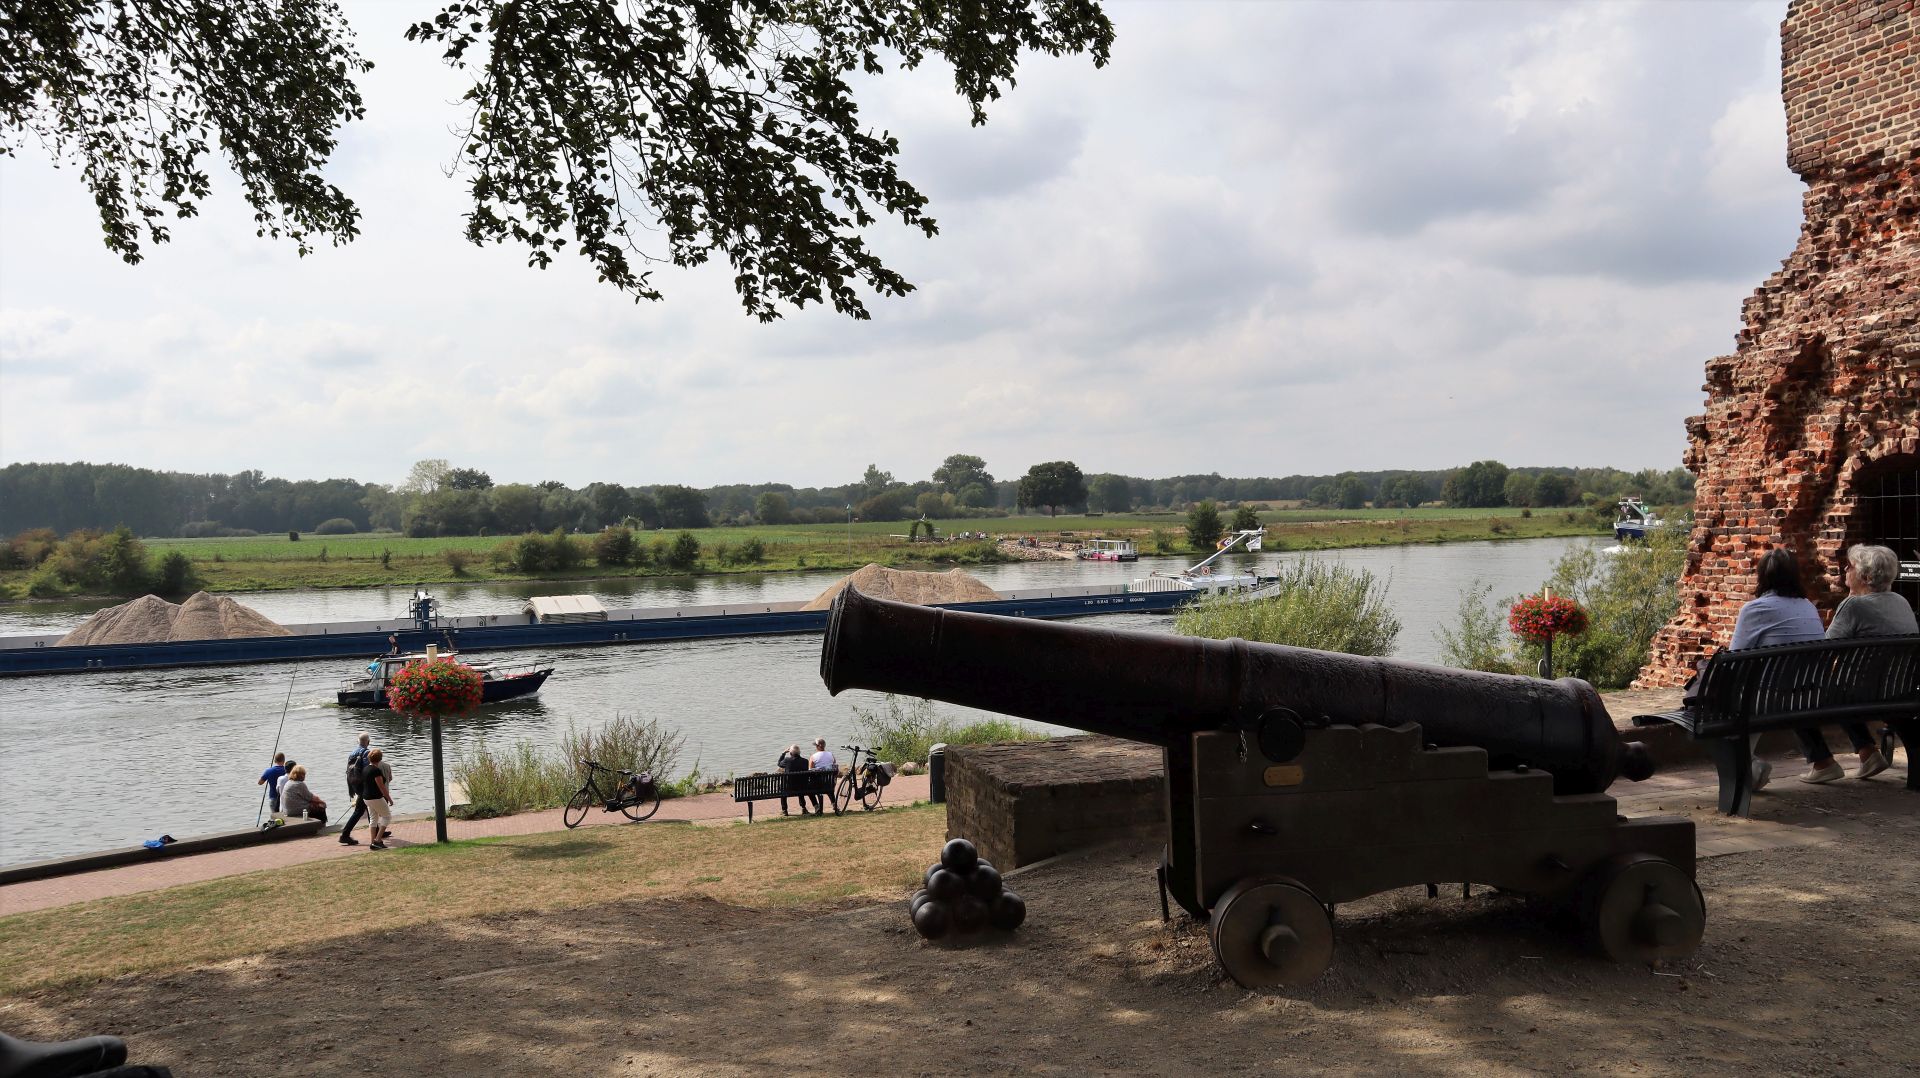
(1826, 772)
(1762, 774)
(1871, 764)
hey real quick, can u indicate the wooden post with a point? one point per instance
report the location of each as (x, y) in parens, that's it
(439, 788)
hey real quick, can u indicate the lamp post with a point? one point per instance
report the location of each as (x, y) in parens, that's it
(849, 533)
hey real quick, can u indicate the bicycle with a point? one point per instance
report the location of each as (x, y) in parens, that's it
(862, 782)
(636, 796)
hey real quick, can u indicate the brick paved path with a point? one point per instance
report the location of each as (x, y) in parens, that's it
(413, 830)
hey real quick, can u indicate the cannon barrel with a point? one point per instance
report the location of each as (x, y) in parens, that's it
(1161, 688)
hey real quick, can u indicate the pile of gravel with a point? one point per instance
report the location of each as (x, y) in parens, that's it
(151, 620)
(906, 586)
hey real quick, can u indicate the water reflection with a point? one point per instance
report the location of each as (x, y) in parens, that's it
(96, 761)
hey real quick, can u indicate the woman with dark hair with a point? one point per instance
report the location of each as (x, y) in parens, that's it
(1778, 613)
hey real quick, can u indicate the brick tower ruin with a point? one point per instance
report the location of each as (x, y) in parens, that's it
(1811, 438)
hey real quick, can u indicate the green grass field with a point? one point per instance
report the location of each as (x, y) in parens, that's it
(273, 562)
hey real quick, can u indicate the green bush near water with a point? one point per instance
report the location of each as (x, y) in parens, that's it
(1627, 595)
(905, 733)
(523, 776)
(1314, 604)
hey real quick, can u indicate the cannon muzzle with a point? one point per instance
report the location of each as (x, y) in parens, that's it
(1161, 688)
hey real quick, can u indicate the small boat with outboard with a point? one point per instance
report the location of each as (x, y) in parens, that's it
(1636, 520)
(497, 683)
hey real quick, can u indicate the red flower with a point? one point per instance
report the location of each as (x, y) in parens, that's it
(1538, 619)
(436, 687)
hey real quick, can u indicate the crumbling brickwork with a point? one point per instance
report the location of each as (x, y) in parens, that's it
(1823, 391)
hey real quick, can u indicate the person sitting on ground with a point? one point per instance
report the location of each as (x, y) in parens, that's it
(1778, 613)
(299, 801)
(379, 798)
(822, 761)
(791, 762)
(1871, 608)
(270, 778)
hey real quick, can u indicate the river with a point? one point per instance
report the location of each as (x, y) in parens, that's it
(90, 762)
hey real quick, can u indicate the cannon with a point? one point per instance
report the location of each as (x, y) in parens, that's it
(1298, 779)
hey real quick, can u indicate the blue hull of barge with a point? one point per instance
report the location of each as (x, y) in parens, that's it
(18, 661)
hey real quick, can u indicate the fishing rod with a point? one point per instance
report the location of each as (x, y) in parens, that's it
(261, 814)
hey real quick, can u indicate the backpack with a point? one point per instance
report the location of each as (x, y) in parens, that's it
(356, 772)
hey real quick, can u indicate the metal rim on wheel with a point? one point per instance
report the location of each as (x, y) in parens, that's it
(1642, 908)
(576, 809)
(1269, 931)
(640, 810)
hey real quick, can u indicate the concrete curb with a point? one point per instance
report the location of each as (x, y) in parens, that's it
(88, 862)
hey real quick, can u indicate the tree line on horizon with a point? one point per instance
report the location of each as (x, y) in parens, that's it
(439, 499)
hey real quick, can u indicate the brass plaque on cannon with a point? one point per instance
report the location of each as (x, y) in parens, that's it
(1284, 775)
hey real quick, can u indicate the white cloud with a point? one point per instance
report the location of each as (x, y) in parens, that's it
(1267, 238)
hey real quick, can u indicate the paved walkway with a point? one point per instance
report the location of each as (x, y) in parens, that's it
(407, 831)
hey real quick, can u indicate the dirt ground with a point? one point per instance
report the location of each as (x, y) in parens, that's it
(1811, 965)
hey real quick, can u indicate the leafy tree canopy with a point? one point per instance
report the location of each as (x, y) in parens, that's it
(638, 132)
(1245, 519)
(1203, 526)
(960, 473)
(1479, 485)
(1056, 485)
(469, 479)
(1110, 493)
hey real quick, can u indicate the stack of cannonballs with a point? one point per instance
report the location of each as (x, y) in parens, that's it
(963, 895)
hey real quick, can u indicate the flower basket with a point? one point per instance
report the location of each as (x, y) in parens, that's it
(1537, 619)
(435, 688)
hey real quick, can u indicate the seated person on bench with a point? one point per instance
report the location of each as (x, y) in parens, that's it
(1871, 608)
(298, 801)
(791, 761)
(1778, 613)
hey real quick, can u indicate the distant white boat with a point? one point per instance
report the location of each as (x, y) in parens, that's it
(1636, 520)
(1204, 577)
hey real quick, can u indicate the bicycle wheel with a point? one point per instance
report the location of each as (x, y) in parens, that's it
(643, 806)
(577, 808)
(842, 795)
(870, 799)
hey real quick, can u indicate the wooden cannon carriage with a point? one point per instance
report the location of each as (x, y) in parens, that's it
(1297, 779)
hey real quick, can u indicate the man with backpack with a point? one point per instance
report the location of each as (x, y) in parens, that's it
(356, 781)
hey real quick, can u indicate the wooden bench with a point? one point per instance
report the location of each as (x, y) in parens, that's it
(785, 784)
(1800, 686)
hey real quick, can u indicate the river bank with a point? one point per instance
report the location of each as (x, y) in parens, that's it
(276, 563)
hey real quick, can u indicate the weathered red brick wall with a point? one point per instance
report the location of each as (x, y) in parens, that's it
(1824, 382)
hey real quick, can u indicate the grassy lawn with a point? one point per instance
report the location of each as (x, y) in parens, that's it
(273, 562)
(876, 855)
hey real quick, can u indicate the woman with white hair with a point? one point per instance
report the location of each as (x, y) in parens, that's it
(1871, 608)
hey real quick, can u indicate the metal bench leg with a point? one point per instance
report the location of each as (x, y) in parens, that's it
(749, 812)
(1734, 760)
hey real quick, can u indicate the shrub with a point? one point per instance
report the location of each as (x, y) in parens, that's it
(683, 554)
(293, 537)
(386, 557)
(615, 547)
(1203, 526)
(176, 575)
(523, 776)
(529, 553)
(1313, 604)
(457, 560)
(200, 529)
(563, 552)
(900, 733)
(1477, 639)
(1163, 541)
(335, 526)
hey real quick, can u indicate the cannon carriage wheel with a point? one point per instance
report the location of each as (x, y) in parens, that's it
(1642, 908)
(1270, 930)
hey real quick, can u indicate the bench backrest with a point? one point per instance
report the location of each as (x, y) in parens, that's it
(782, 784)
(1790, 684)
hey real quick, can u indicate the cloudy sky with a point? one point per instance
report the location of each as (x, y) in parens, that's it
(1268, 238)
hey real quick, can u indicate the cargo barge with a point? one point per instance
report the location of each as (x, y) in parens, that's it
(27, 655)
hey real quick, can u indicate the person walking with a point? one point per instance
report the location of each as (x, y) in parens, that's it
(1871, 608)
(793, 761)
(379, 798)
(356, 780)
(299, 801)
(822, 761)
(270, 778)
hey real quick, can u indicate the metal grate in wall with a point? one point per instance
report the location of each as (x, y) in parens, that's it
(1887, 498)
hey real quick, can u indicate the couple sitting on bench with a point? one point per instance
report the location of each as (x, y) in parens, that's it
(1780, 613)
(793, 760)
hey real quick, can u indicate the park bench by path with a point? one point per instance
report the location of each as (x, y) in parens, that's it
(785, 784)
(1800, 686)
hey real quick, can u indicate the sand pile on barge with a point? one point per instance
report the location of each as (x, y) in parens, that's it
(906, 586)
(152, 620)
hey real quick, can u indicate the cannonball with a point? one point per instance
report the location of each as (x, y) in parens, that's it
(933, 919)
(969, 913)
(946, 886)
(959, 856)
(982, 863)
(919, 897)
(985, 882)
(1007, 911)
